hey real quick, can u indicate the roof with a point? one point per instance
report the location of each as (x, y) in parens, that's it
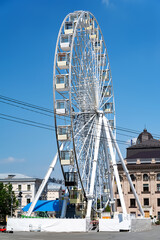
(45, 205)
(147, 144)
(12, 176)
(144, 136)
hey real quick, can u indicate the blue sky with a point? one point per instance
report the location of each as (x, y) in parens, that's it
(28, 31)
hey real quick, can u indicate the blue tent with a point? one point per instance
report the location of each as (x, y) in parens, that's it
(45, 205)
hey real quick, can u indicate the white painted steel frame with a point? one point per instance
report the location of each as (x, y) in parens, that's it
(114, 164)
(94, 167)
(125, 169)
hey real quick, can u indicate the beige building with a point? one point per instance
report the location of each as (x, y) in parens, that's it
(143, 163)
(24, 186)
(54, 191)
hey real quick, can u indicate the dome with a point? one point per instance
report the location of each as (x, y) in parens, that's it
(144, 136)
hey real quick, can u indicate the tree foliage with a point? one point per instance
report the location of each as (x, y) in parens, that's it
(8, 201)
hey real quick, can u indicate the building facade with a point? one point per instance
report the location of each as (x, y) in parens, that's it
(55, 191)
(143, 163)
(24, 187)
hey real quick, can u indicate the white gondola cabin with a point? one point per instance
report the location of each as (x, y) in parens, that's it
(87, 18)
(108, 108)
(90, 24)
(102, 59)
(66, 158)
(105, 75)
(64, 133)
(62, 82)
(69, 27)
(106, 91)
(98, 46)
(65, 42)
(62, 107)
(71, 179)
(93, 34)
(73, 17)
(63, 60)
(76, 196)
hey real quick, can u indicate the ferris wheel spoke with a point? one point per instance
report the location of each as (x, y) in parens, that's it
(86, 159)
(90, 165)
(85, 140)
(106, 101)
(101, 82)
(84, 126)
(103, 94)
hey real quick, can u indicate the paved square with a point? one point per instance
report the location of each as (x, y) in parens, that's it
(153, 234)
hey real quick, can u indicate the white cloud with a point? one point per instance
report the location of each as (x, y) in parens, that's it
(106, 2)
(12, 160)
(113, 3)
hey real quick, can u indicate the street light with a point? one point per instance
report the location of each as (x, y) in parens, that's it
(20, 198)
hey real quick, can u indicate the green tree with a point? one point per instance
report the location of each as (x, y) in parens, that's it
(8, 201)
(107, 209)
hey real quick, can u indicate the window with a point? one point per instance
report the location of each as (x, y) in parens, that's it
(131, 188)
(158, 215)
(118, 203)
(145, 177)
(19, 202)
(132, 202)
(28, 187)
(146, 201)
(158, 187)
(19, 188)
(133, 178)
(28, 200)
(145, 187)
(158, 202)
(158, 176)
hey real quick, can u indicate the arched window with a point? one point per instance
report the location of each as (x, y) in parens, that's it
(145, 177)
(158, 176)
(133, 178)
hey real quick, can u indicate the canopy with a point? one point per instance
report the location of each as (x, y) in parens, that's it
(45, 205)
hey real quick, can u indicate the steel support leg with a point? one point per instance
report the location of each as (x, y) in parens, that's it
(126, 172)
(64, 207)
(108, 136)
(109, 177)
(94, 167)
(43, 184)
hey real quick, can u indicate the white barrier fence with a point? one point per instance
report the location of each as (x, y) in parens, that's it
(46, 225)
(76, 225)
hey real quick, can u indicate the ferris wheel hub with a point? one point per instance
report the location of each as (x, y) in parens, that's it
(100, 113)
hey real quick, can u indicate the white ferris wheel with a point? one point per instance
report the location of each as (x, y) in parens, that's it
(84, 112)
(83, 96)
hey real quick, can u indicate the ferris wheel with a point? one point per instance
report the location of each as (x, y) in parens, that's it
(84, 112)
(83, 95)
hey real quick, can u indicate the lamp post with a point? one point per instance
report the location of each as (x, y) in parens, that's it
(20, 198)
